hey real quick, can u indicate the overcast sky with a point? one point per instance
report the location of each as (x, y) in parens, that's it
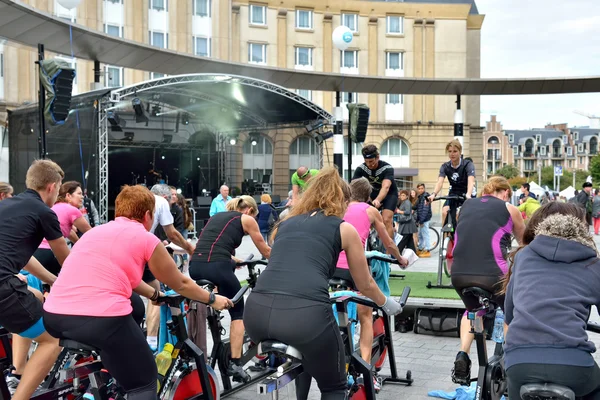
(539, 38)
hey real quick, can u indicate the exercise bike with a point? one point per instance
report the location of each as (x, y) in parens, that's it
(445, 256)
(491, 377)
(551, 391)
(221, 351)
(358, 389)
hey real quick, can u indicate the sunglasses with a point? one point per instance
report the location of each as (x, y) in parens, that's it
(305, 174)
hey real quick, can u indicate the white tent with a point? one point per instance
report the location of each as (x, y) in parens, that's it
(568, 192)
(536, 189)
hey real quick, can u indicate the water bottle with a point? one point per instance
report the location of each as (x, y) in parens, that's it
(498, 333)
(88, 396)
(163, 362)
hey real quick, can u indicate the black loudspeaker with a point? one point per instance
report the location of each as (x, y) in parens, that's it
(358, 121)
(57, 77)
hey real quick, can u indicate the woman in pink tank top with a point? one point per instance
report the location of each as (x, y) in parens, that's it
(363, 216)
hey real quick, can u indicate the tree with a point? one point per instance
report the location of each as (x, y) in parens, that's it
(509, 171)
(595, 169)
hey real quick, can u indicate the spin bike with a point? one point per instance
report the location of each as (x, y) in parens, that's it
(221, 351)
(551, 391)
(491, 377)
(445, 253)
(358, 389)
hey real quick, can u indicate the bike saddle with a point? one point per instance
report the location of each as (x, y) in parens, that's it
(477, 292)
(204, 282)
(546, 391)
(336, 282)
(273, 346)
(78, 347)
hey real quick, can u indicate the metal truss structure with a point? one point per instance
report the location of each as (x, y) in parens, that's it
(102, 160)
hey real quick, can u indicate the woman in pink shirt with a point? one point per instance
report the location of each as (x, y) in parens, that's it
(101, 273)
(70, 199)
(362, 217)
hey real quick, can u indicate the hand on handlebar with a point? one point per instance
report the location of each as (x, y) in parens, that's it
(221, 303)
(376, 203)
(403, 262)
(156, 302)
(430, 198)
(391, 307)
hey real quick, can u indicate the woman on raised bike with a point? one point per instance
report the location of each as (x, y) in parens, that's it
(214, 261)
(90, 301)
(550, 289)
(290, 302)
(483, 237)
(362, 216)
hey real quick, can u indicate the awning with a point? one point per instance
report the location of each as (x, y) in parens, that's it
(402, 172)
(24, 24)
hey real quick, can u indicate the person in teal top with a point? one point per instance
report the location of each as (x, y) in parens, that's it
(300, 179)
(219, 202)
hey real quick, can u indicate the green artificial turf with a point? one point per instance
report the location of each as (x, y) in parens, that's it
(418, 285)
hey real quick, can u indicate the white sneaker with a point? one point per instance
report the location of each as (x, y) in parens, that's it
(12, 382)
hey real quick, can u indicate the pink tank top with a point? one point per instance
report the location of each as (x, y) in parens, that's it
(356, 215)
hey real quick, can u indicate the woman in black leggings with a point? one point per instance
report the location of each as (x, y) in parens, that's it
(290, 302)
(214, 261)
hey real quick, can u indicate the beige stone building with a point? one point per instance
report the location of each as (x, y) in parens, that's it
(414, 38)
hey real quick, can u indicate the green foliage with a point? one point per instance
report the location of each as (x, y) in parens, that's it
(509, 171)
(595, 169)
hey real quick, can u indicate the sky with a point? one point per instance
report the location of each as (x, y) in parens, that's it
(540, 38)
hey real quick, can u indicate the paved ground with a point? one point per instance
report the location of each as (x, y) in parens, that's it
(429, 358)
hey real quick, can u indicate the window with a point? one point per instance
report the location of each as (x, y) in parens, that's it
(304, 146)
(202, 46)
(564, 138)
(395, 24)
(113, 30)
(394, 60)
(159, 5)
(538, 139)
(349, 59)
(307, 94)
(576, 135)
(202, 8)
(257, 53)
(262, 146)
(351, 21)
(594, 145)
(258, 158)
(542, 150)
(580, 160)
(258, 15)
(114, 77)
(346, 97)
(396, 152)
(304, 56)
(570, 151)
(580, 148)
(159, 39)
(156, 75)
(528, 165)
(394, 99)
(511, 137)
(556, 145)
(516, 150)
(304, 19)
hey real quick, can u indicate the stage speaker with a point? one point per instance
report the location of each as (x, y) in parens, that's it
(358, 121)
(57, 77)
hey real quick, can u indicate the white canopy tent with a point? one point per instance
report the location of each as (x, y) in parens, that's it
(536, 189)
(568, 192)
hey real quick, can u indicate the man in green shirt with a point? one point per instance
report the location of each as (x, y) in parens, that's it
(300, 180)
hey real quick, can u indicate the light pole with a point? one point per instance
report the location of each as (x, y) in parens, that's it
(539, 166)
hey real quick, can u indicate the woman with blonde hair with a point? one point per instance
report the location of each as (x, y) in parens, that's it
(267, 215)
(290, 302)
(6, 191)
(482, 240)
(214, 261)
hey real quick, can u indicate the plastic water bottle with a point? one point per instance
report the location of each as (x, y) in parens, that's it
(498, 333)
(88, 396)
(163, 362)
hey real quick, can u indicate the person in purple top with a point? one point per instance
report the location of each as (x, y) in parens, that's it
(482, 239)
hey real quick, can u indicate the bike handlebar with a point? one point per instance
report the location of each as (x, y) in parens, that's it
(174, 300)
(365, 301)
(593, 327)
(450, 197)
(250, 263)
(388, 259)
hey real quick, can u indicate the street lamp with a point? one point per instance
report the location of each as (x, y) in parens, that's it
(539, 166)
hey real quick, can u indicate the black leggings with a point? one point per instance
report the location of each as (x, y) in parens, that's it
(489, 283)
(317, 337)
(47, 259)
(122, 344)
(584, 381)
(222, 274)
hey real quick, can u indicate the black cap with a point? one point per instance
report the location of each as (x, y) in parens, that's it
(586, 184)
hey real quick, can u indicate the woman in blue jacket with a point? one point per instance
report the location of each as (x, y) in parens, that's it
(550, 289)
(267, 215)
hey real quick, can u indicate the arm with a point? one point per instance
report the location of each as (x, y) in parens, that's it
(143, 289)
(470, 186)
(60, 249)
(164, 269)
(295, 191)
(388, 242)
(357, 264)
(438, 187)
(518, 223)
(385, 188)
(250, 226)
(36, 269)
(176, 238)
(82, 225)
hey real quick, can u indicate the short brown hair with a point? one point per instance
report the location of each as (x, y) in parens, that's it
(67, 188)
(265, 198)
(360, 189)
(496, 184)
(133, 202)
(370, 149)
(43, 173)
(421, 185)
(454, 143)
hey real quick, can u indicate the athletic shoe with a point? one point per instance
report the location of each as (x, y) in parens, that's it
(424, 254)
(461, 373)
(377, 383)
(12, 382)
(237, 373)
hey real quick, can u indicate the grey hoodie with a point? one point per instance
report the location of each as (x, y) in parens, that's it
(554, 282)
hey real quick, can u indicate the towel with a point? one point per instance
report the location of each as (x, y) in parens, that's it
(380, 271)
(352, 313)
(164, 336)
(461, 393)
(33, 281)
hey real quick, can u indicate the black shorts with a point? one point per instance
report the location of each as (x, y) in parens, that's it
(390, 202)
(489, 283)
(48, 261)
(344, 273)
(20, 310)
(148, 276)
(222, 274)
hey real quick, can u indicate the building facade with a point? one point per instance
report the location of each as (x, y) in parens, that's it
(416, 38)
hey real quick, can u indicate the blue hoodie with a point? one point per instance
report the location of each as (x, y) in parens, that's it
(554, 283)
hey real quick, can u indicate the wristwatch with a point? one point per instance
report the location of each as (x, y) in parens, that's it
(211, 298)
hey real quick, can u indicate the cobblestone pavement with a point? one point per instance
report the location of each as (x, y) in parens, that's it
(429, 358)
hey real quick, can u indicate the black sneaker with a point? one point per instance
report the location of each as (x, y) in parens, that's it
(237, 373)
(461, 373)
